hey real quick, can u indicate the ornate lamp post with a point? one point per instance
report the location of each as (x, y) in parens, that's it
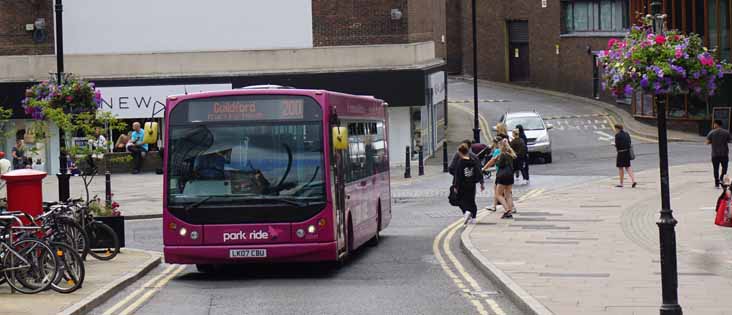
(63, 176)
(666, 223)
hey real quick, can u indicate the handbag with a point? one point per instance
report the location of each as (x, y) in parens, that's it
(724, 213)
(453, 196)
(632, 153)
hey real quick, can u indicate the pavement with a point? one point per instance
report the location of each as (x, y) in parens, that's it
(102, 278)
(599, 244)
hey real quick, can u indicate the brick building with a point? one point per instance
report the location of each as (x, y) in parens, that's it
(552, 44)
(391, 49)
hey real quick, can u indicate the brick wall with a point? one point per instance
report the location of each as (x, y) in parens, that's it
(358, 22)
(369, 22)
(569, 71)
(14, 39)
(454, 36)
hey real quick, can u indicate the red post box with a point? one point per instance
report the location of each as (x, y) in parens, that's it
(25, 191)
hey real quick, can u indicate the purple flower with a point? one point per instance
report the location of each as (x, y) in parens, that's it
(628, 90)
(678, 69)
(696, 74)
(657, 87)
(644, 82)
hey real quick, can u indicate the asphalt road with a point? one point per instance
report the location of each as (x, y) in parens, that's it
(410, 271)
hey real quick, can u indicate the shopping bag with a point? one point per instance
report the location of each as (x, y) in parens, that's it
(724, 213)
(453, 196)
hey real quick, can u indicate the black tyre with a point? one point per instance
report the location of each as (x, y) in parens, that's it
(206, 268)
(374, 241)
(75, 236)
(104, 244)
(38, 271)
(71, 271)
(548, 158)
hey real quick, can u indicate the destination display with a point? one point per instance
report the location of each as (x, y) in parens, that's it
(253, 108)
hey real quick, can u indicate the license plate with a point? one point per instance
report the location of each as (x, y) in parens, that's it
(244, 253)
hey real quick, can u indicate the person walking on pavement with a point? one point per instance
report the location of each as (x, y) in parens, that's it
(519, 147)
(719, 138)
(623, 146)
(525, 165)
(494, 152)
(467, 174)
(501, 131)
(456, 157)
(504, 177)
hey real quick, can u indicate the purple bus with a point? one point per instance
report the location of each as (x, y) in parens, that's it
(273, 174)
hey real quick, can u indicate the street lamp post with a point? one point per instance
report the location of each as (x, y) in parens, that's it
(63, 176)
(666, 223)
(476, 126)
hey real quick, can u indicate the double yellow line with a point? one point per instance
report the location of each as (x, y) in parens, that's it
(455, 270)
(149, 288)
(484, 126)
(461, 278)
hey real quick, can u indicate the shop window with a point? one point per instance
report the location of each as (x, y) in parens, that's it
(594, 16)
(676, 106)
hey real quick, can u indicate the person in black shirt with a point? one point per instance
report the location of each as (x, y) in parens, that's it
(623, 146)
(467, 174)
(456, 157)
(719, 138)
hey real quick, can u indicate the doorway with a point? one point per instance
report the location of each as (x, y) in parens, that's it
(518, 51)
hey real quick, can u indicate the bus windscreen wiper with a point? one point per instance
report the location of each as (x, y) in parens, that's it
(197, 203)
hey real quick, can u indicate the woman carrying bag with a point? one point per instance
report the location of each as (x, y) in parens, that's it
(467, 174)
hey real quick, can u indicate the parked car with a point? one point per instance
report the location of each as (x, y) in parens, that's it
(537, 132)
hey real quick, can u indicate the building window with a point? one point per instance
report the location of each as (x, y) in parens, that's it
(719, 36)
(594, 16)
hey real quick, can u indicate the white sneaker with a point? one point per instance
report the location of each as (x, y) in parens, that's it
(472, 221)
(467, 218)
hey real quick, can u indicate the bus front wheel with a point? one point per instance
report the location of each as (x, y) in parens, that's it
(375, 239)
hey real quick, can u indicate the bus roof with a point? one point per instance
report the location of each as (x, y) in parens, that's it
(264, 91)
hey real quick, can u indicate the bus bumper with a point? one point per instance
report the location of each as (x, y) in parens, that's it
(308, 252)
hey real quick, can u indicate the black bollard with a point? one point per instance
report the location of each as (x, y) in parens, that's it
(407, 167)
(444, 157)
(108, 188)
(421, 161)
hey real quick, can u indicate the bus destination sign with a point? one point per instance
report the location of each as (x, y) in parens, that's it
(247, 110)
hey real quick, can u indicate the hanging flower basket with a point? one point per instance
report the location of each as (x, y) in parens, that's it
(657, 64)
(58, 103)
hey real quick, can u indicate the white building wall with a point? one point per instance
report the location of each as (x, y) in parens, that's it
(400, 135)
(144, 26)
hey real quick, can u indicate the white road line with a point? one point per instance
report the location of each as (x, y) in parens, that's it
(604, 134)
(594, 127)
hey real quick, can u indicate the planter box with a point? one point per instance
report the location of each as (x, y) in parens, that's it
(118, 225)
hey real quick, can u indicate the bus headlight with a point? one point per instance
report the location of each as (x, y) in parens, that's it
(300, 233)
(311, 229)
(194, 235)
(182, 231)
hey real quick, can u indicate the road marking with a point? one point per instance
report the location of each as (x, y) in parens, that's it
(138, 291)
(134, 306)
(484, 126)
(604, 134)
(495, 307)
(613, 122)
(446, 268)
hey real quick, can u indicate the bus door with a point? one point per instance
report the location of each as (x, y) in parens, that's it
(338, 169)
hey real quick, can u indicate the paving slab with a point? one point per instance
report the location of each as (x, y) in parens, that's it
(603, 251)
(102, 279)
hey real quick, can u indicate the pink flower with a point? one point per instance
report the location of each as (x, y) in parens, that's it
(706, 59)
(679, 53)
(660, 39)
(69, 98)
(611, 43)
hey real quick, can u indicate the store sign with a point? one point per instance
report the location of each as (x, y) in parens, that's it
(147, 101)
(437, 84)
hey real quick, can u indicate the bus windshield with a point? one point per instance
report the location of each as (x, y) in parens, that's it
(246, 170)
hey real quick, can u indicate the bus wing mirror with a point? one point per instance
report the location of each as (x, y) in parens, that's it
(340, 138)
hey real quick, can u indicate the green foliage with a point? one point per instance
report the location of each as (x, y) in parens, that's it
(120, 160)
(99, 209)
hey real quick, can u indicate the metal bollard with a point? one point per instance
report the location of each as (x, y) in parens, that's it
(407, 166)
(108, 188)
(444, 157)
(421, 161)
